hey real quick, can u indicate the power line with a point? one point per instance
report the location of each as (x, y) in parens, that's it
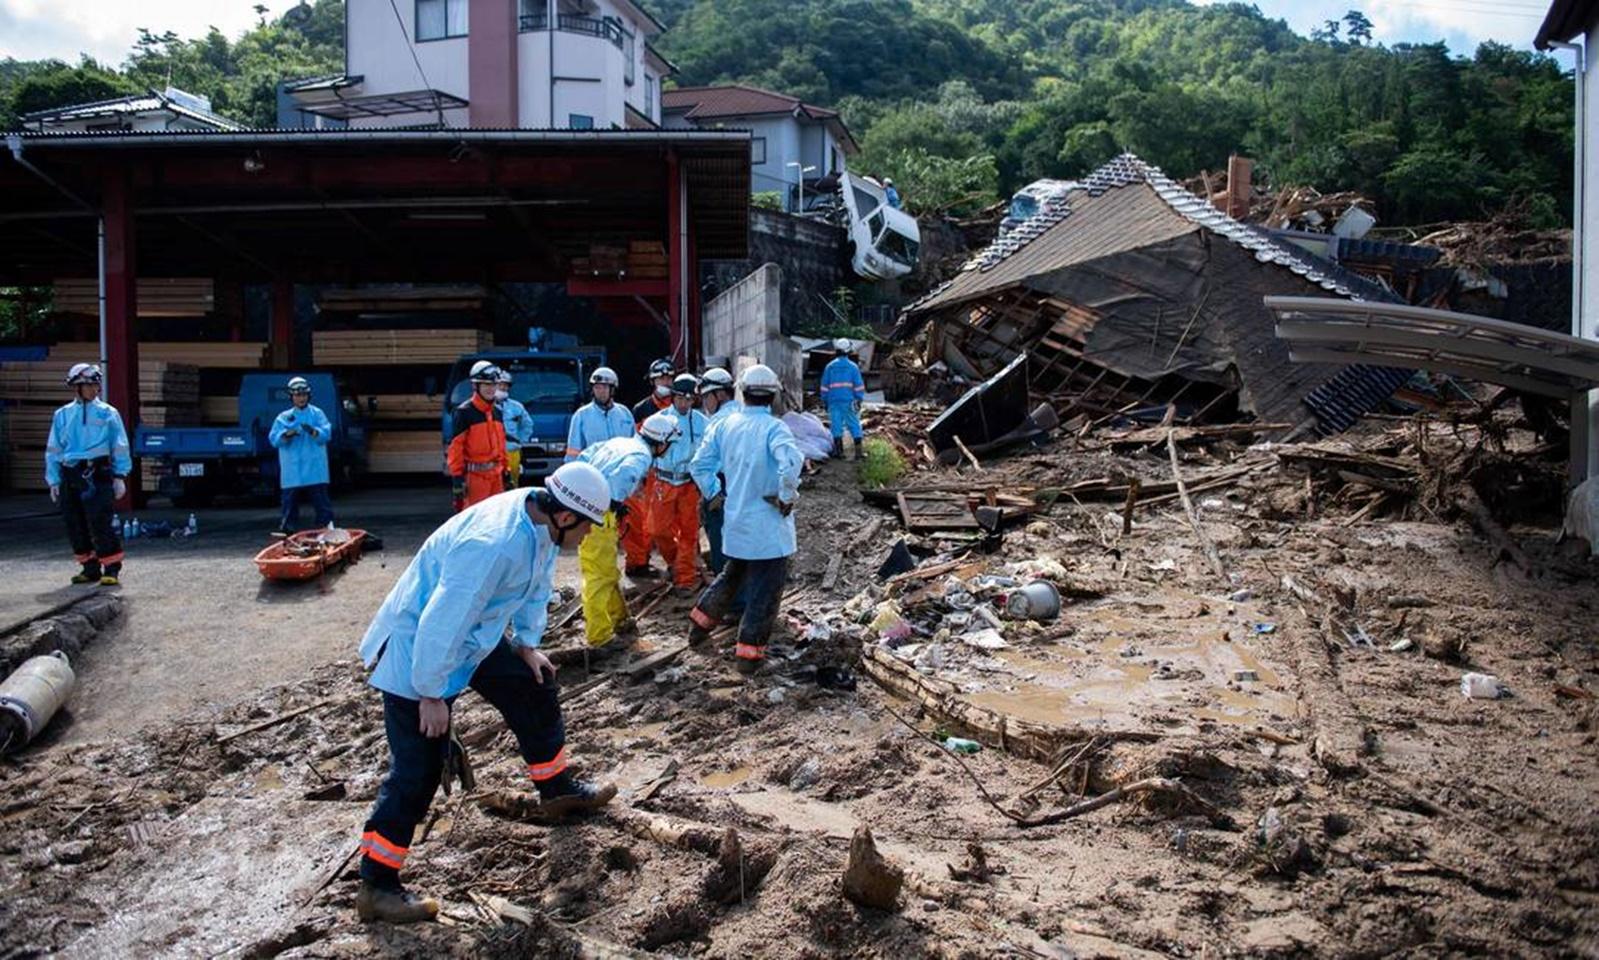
(411, 46)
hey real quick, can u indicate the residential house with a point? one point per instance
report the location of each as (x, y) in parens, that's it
(792, 142)
(1567, 21)
(167, 110)
(536, 64)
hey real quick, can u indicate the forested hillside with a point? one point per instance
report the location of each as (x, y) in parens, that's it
(963, 100)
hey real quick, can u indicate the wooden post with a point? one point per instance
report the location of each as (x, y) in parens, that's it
(282, 326)
(1239, 172)
(121, 307)
(676, 255)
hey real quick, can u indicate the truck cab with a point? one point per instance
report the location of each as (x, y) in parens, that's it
(551, 384)
(195, 464)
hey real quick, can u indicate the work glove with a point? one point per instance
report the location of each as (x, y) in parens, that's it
(458, 493)
(857, 406)
(119, 488)
(714, 505)
(785, 507)
(313, 431)
(55, 493)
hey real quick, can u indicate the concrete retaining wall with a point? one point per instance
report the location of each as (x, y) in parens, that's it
(812, 258)
(746, 322)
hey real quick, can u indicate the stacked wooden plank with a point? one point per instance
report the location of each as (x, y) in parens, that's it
(403, 299)
(403, 406)
(219, 411)
(646, 260)
(331, 348)
(405, 451)
(244, 355)
(157, 296)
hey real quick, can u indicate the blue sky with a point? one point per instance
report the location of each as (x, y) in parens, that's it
(105, 29)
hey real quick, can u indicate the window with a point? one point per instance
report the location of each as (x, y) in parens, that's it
(628, 66)
(579, 121)
(757, 150)
(649, 98)
(532, 15)
(440, 19)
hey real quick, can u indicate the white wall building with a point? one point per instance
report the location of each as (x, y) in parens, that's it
(169, 110)
(789, 140)
(493, 63)
(1574, 25)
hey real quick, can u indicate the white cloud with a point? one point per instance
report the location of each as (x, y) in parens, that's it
(106, 29)
(1463, 24)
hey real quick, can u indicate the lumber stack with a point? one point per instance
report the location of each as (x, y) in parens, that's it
(403, 406)
(243, 355)
(157, 296)
(646, 260)
(405, 451)
(331, 348)
(219, 411)
(403, 299)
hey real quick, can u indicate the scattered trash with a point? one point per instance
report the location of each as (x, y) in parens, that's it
(1481, 686)
(890, 624)
(830, 677)
(670, 675)
(988, 639)
(899, 560)
(1401, 645)
(961, 745)
(1038, 600)
(1265, 628)
(986, 613)
(1213, 503)
(1246, 676)
(776, 695)
(31, 696)
(1270, 826)
(810, 435)
(1240, 596)
(805, 775)
(930, 658)
(818, 631)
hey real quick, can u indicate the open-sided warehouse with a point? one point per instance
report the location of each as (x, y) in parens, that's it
(620, 218)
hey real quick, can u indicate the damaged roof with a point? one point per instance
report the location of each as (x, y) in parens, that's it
(1110, 212)
(729, 101)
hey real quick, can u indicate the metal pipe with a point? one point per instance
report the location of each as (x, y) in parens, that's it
(1584, 448)
(100, 274)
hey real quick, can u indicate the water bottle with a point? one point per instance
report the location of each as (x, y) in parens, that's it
(133, 528)
(961, 745)
(116, 524)
(194, 525)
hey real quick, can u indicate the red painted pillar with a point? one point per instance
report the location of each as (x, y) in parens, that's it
(491, 70)
(282, 325)
(696, 320)
(121, 307)
(675, 257)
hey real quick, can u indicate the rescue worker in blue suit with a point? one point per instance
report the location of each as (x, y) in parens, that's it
(518, 427)
(842, 391)
(86, 463)
(301, 435)
(624, 461)
(757, 454)
(441, 629)
(601, 420)
(716, 399)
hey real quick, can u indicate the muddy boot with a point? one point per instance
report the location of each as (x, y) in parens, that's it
(838, 448)
(112, 575)
(698, 636)
(748, 668)
(643, 572)
(626, 627)
(565, 795)
(393, 906)
(89, 574)
(860, 450)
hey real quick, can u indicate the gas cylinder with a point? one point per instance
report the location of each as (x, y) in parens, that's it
(31, 696)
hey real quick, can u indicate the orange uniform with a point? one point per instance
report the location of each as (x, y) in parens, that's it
(477, 449)
(636, 540)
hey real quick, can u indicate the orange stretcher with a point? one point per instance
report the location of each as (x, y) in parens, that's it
(307, 554)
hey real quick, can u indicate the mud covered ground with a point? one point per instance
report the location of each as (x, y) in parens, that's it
(1350, 801)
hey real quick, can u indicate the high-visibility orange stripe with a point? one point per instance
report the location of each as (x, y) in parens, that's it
(748, 651)
(382, 841)
(701, 618)
(550, 768)
(83, 557)
(572, 451)
(383, 858)
(113, 558)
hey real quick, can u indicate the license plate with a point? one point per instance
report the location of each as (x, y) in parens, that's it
(191, 469)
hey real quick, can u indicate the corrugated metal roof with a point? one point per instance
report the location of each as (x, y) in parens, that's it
(1096, 209)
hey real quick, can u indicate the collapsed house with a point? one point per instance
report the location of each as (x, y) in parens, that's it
(1128, 293)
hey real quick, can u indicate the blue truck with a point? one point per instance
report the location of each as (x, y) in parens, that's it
(550, 383)
(196, 464)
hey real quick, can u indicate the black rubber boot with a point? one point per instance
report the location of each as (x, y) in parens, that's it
(393, 906)
(838, 448)
(565, 795)
(860, 450)
(644, 572)
(89, 574)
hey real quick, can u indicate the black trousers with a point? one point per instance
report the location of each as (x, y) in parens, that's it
(533, 712)
(86, 504)
(760, 584)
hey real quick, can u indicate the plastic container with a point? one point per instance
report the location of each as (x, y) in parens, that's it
(961, 745)
(1038, 600)
(31, 696)
(194, 525)
(1481, 686)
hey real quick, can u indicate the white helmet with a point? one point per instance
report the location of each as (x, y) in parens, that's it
(604, 375)
(504, 375)
(299, 385)
(582, 489)
(841, 345)
(484, 371)
(716, 379)
(660, 428)
(760, 379)
(82, 373)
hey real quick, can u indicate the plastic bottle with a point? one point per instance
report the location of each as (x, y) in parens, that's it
(194, 525)
(961, 745)
(116, 524)
(131, 531)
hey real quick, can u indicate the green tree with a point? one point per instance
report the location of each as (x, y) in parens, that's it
(58, 85)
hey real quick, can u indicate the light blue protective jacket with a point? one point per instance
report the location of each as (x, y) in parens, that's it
(86, 431)
(488, 566)
(673, 466)
(593, 424)
(518, 423)
(841, 382)
(758, 455)
(623, 462)
(302, 458)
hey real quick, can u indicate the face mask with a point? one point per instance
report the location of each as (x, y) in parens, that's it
(663, 391)
(501, 394)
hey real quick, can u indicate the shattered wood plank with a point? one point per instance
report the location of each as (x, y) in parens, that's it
(280, 718)
(1211, 554)
(1401, 487)
(1505, 545)
(1023, 738)
(1153, 435)
(904, 510)
(968, 454)
(659, 659)
(834, 565)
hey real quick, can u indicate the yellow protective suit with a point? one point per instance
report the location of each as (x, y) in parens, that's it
(513, 463)
(603, 605)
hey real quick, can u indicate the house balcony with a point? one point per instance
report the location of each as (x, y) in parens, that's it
(571, 23)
